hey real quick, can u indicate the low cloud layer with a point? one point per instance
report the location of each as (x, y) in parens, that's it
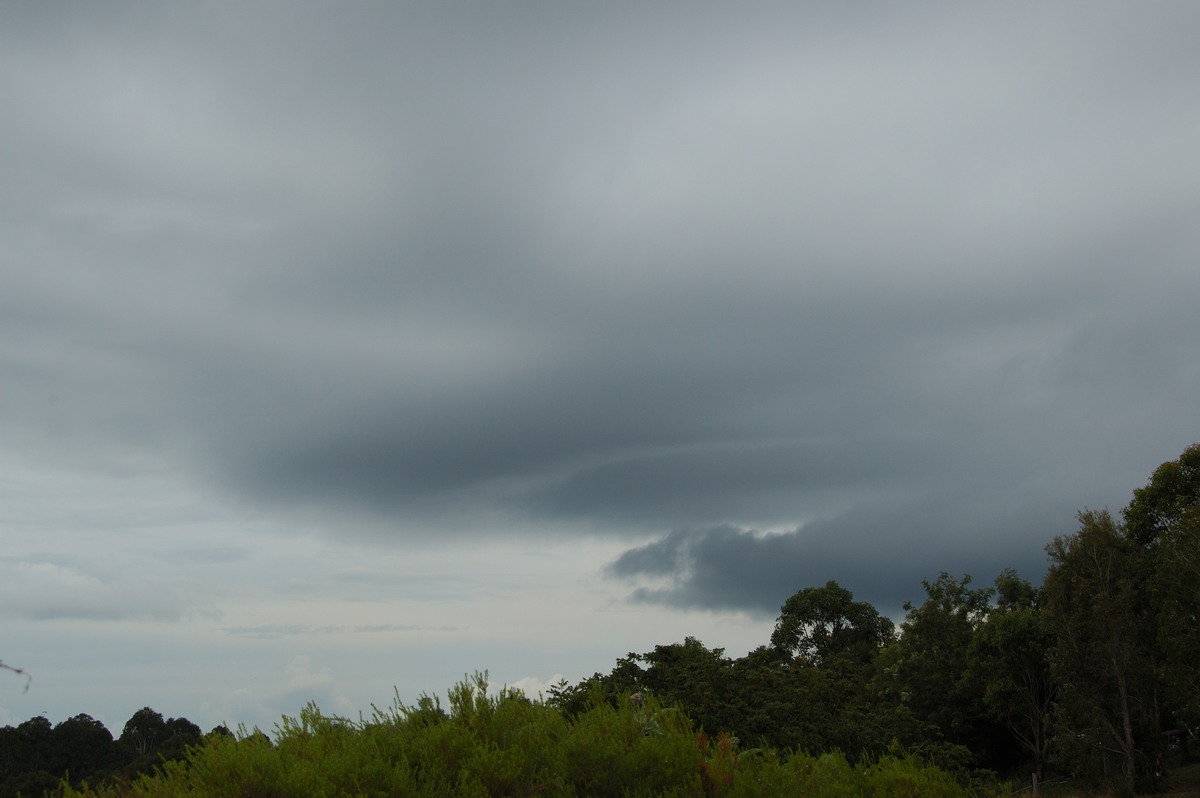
(271, 631)
(877, 552)
(46, 590)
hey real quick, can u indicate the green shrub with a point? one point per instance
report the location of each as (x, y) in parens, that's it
(504, 745)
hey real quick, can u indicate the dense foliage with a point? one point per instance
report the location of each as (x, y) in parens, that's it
(36, 756)
(507, 745)
(1095, 674)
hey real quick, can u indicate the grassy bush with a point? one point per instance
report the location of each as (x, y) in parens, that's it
(506, 745)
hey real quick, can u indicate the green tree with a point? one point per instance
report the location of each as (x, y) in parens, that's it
(928, 672)
(687, 674)
(83, 747)
(144, 731)
(26, 758)
(785, 707)
(934, 642)
(1103, 650)
(762, 698)
(182, 727)
(221, 732)
(817, 625)
(30, 783)
(1171, 498)
(33, 744)
(1007, 658)
(1163, 522)
(822, 658)
(1176, 588)
(694, 677)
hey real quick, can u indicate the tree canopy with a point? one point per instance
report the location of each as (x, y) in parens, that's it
(820, 624)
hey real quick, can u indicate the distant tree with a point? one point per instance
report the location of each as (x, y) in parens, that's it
(151, 741)
(82, 746)
(30, 783)
(691, 674)
(221, 731)
(9, 761)
(182, 727)
(33, 744)
(688, 674)
(26, 758)
(181, 734)
(817, 625)
(144, 731)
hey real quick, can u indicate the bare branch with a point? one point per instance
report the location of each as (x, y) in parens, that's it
(19, 672)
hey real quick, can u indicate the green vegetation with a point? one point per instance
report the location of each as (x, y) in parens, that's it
(1093, 677)
(507, 745)
(36, 757)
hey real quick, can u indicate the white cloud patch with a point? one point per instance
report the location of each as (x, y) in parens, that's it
(300, 683)
(535, 687)
(50, 590)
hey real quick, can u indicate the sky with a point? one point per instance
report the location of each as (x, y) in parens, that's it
(350, 348)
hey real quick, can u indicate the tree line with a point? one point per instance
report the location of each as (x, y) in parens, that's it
(1093, 674)
(502, 744)
(37, 757)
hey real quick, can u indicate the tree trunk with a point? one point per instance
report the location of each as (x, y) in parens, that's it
(1128, 761)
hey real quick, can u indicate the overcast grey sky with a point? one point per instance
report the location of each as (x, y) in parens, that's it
(346, 346)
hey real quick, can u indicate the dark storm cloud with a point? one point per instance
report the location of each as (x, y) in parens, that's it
(879, 276)
(880, 551)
